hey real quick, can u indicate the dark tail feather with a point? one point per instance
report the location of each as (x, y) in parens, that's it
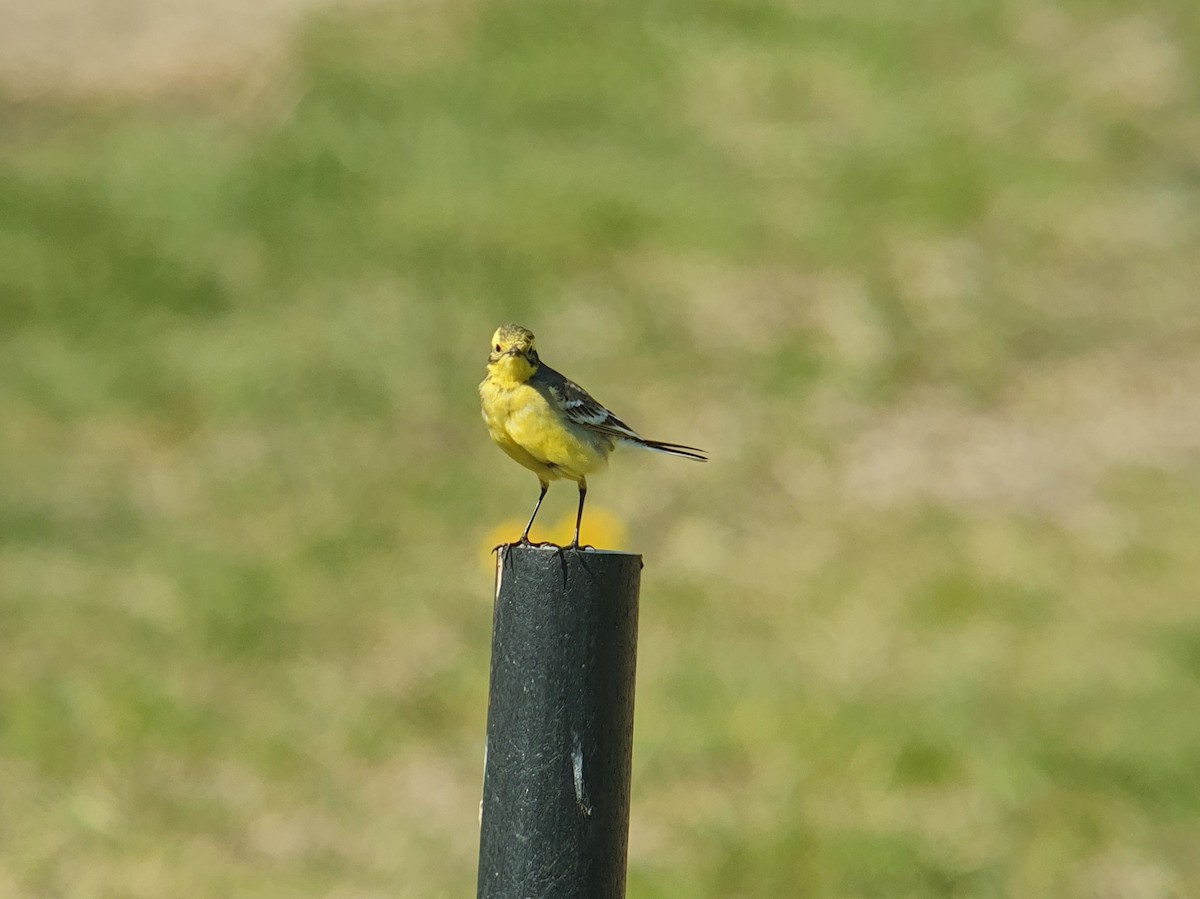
(674, 449)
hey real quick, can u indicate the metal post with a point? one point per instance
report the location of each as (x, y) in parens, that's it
(560, 725)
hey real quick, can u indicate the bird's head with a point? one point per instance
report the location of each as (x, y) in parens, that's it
(513, 353)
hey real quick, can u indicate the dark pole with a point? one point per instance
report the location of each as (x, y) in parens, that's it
(560, 725)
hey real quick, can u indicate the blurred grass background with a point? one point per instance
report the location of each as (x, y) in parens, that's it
(922, 277)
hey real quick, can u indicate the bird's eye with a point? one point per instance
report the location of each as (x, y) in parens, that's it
(497, 348)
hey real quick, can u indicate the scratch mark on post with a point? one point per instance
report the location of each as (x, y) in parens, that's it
(577, 771)
(485, 750)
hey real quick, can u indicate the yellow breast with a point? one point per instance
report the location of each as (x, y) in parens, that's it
(523, 422)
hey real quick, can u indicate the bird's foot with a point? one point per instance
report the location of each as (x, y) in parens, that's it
(574, 547)
(525, 541)
(561, 552)
(505, 558)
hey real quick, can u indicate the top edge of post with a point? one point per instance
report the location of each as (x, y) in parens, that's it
(590, 551)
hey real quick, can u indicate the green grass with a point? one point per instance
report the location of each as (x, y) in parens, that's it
(921, 277)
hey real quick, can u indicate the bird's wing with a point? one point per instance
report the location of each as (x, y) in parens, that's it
(581, 408)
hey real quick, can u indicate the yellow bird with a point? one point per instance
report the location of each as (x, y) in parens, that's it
(549, 423)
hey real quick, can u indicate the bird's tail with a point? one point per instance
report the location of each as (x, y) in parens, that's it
(672, 449)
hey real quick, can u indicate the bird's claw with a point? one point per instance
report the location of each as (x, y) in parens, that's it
(524, 541)
(573, 546)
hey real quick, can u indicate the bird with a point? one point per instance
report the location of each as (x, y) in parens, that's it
(550, 424)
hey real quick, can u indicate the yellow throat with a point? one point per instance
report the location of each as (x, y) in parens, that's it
(510, 371)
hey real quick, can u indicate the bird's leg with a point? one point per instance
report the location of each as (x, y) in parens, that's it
(579, 514)
(524, 541)
(574, 544)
